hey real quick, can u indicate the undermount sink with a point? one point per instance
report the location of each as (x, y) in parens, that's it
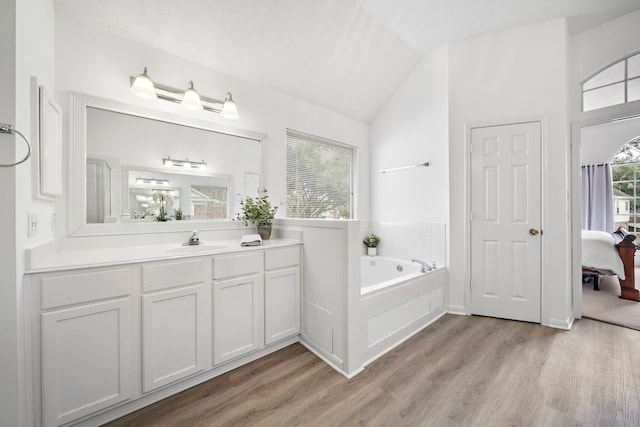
(196, 248)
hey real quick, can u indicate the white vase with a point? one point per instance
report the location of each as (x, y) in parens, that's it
(372, 251)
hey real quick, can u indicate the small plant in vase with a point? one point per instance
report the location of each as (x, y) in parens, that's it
(258, 211)
(371, 242)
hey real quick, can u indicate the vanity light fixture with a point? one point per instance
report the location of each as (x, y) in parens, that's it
(191, 99)
(169, 162)
(154, 181)
(144, 87)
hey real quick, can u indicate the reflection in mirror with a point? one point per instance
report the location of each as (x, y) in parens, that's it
(98, 190)
(155, 195)
(129, 180)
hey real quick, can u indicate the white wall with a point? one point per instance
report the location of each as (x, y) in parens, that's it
(412, 128)
(26, 27)
(100, 64)
(9, 382)
(595, 49)
(508, 77)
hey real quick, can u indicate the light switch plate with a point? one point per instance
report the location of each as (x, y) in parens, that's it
(33, 223)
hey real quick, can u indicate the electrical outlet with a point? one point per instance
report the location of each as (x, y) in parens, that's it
(53, 221)
(33, 222)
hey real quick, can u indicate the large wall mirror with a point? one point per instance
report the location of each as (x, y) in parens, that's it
(133, 169)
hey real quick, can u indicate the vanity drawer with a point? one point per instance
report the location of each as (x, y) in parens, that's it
(236, 265)
(78, 288)
(280, 258)
(172, 274)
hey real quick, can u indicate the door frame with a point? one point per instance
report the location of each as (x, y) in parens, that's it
(582, 120)
(544, 135)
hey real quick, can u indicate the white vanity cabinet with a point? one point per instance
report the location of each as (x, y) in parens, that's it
(86, 342)
(110, 340)
(237, 305)
(281, 294)
(175, 318)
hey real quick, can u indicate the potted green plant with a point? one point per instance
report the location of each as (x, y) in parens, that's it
(258, 211)
(371, 242)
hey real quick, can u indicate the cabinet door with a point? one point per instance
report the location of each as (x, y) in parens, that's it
(173, 335)
(86, 359)
(237, 317)
(281, 304)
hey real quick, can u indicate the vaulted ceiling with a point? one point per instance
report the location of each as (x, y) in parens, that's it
(345, 55)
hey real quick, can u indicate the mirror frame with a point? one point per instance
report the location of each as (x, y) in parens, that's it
(76, 171)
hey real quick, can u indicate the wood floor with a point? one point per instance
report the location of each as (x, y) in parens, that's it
(460, 371)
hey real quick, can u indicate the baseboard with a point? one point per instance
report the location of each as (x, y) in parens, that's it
(460, 310)
(330, 360)
(562, 324)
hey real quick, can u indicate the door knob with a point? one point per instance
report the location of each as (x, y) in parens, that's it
(533, 232)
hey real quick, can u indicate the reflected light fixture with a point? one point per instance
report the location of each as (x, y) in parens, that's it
(169, 162)
(144, 87)
(154, 181)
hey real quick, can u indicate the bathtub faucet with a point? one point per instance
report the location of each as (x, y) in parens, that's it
(424, 267)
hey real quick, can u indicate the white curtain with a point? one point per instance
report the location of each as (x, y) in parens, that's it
(597, 198)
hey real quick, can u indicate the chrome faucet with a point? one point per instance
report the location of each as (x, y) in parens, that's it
(194, 240)
(424, 267)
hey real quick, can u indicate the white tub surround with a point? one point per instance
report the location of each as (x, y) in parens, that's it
(402, 302)
(333, 328)
(115, 329)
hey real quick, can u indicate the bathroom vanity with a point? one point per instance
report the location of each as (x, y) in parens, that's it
(110, 336)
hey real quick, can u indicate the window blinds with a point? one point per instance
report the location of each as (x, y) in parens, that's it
(319, 177)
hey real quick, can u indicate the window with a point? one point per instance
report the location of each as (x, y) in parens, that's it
(616, 84)
(209, 202)
(319, 177)
(625, 174)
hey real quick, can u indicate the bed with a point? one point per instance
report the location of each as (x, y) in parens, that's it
(611, 254)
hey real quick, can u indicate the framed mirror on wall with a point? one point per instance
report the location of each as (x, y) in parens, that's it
(130, 165)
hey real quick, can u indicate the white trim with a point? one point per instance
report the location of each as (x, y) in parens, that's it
(459, 310)
(565, 324)
(77, 132)
(326, 357)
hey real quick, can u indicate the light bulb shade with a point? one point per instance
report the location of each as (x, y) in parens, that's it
(143, 86)
(229, 109)
(191, 99)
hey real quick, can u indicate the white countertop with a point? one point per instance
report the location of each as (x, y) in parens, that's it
(101, 257)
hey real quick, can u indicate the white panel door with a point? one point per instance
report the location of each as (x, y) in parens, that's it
(237, 317)
(281, 304)
(174, 338)
(505, 221)
(86, 359)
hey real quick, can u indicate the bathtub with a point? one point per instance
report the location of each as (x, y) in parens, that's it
(381, 272)
(398, 301)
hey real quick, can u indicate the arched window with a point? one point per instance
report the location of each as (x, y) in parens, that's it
(625, 174)
(617, 84)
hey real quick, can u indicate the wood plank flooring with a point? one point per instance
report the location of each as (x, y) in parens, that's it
(460, 371)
